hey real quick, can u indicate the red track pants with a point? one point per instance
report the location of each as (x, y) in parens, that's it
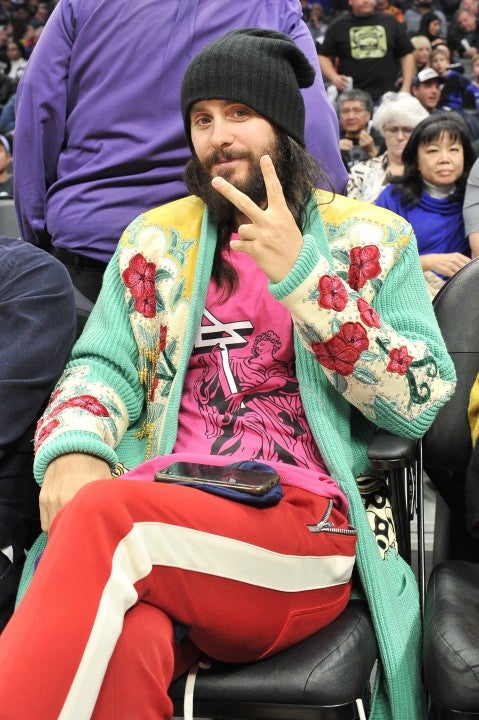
(93, 636)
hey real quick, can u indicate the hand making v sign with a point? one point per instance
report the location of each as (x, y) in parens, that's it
(272, 238)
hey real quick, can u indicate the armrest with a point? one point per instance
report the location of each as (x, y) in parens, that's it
(388, 452)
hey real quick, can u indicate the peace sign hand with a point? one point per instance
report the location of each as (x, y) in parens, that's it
(272, 238)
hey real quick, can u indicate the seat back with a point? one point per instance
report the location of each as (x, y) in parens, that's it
(447, 445)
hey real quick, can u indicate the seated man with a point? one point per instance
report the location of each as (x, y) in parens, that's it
(258, 319)
(358, 141)
(37, 325)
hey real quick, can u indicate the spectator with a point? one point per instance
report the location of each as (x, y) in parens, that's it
(357, 141)
(316, 24)
(430, 27)
(456, 93)
(386, 6)
(98, 131)
(414, 13)
(430, 194)
(395, 118)
(471, 6)
(6, 177)
(29, 40)
(4, 61)
(474, 75)
(368, 46)
(422, 51)
(41, 15)
(17, 60)
(464, 39)
(37, 323)
(100, 609)
(426, 87)
(7, 116)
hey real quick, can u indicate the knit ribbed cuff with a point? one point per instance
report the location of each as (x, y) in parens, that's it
(72, 442)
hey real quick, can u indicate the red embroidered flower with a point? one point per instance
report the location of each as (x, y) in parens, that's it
(85, 402)
(139, 276)
(54, 395)
(146, 305)
(44, 431)
(399, 360)
(332, 294)
(163, 334)
(342, 351)
(364, 265)
(153, 388)
(368, 314)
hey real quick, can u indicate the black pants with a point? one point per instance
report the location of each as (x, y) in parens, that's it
(86, 274)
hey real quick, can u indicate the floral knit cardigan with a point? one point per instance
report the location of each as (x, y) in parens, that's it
(368, 353)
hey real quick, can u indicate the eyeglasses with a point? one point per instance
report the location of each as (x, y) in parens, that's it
(397, 130)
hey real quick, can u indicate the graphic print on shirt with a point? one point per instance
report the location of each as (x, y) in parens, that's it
(242, 383)
(368, 41)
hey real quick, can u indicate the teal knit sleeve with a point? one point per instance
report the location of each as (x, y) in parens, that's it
(364, 313)
(99, 394)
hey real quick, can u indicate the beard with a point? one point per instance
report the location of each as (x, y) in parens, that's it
(198, 176)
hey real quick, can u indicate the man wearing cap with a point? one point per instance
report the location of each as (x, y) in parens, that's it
(250, 321)
(426, 87)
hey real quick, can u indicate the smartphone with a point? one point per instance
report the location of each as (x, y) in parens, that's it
(254, 482)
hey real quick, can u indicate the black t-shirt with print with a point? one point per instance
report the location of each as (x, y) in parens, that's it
(368, 50)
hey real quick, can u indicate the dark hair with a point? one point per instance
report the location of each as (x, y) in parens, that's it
(424, 23)
(410, 184)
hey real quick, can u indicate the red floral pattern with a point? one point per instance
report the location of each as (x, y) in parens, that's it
(332, 293)
(44, 431)
(85, 402)
(146, 305)
(364, 265)
(153, 388)
(341, 352)
(163, 335)
(139, 277)
(399, 360)
(368, 314)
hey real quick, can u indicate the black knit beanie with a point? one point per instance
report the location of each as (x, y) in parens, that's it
(263, 69)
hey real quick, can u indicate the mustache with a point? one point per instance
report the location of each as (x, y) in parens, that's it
(218, 156)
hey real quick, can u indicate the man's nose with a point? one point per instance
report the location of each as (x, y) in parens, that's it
(221, 133)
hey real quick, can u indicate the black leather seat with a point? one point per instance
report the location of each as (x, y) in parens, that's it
(451, 618)
(451, 641)
(318, 679)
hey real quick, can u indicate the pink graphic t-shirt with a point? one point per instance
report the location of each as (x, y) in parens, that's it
(241, 396)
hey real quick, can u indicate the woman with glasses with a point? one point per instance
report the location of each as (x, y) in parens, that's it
(429, 194)
(395, 119)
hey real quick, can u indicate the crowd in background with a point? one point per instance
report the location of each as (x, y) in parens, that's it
(404, 78)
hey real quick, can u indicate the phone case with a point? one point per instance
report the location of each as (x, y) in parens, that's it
(247, 480)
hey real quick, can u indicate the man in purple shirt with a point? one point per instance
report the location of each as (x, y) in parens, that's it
(99, 136)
